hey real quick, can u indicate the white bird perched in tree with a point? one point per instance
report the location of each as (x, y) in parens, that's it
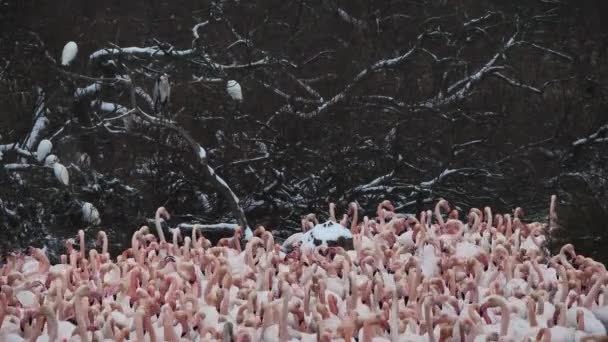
(234, 90)
(162, 92)
(84, 160)
(69, 53)
(50, 160)
(90, 214)
(44, 148)
(61, 173)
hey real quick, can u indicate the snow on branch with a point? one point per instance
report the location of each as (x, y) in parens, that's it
(88, 90)
(393, 62)
(342, 14)
(517, 84)
(207, 170)
(124, 114)
(206, 79)
(374, 183)
(364, 74)
(8, 147)
(40, 121)
(261, 62)
(250, 160)
(229, 228)
(15, 147)
(197, 26)
(144, 96)
(307, 88)
(479, 19)
(466, 84)
(412, 203)
(458, 148)
(18, 167)
(287, 96)
(153, 51)
(217, 228)
(384, 98)
(445, 173)
(595, 137)
(110, 107)
(449, 172)
(553, 52)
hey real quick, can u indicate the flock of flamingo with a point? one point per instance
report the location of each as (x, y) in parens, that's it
(393, 278)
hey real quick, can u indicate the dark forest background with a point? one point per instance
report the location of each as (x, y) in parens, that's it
(486, 102)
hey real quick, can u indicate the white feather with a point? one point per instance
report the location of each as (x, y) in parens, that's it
(44, 148)
(234, 90)
(50, 160)
(61, 173)
(90, 214)
(69, 53)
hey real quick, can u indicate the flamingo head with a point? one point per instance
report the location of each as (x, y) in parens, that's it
(443, 203)
(162, 212)
(259, 230)
(144, 230)
(312, 218)
(386, 204)
(470, 219)
(519, 212)
(101, 235)
(223, 242)
(483, 258)
(453, 214)
(568, 249)
(294, 254)
(491, 302)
